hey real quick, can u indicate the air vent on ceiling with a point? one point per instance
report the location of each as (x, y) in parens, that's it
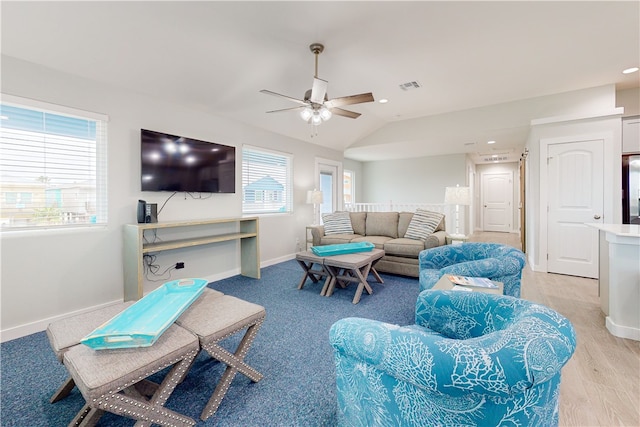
(410, 85)
(495, 159)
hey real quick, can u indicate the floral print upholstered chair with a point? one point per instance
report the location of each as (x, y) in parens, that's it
(494, 261)
(471, 359)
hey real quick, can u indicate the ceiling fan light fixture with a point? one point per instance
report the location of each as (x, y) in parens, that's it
(325, 114)
(306, 114)
(316, 119)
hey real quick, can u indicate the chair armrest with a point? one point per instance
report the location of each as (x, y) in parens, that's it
(491, 364)
(463, 315)
(488, 267)
(441, 256)
(317, 233)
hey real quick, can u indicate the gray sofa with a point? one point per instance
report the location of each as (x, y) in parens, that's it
(386, 230)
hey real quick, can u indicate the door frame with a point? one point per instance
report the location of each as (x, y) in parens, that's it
(607, 192)
(324, 165)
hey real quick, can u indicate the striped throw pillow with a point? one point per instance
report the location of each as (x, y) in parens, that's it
(337, 223)
(423, 224)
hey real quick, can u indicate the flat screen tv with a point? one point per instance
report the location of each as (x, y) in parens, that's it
(176, 163)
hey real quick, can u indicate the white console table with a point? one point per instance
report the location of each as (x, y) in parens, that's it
(135, 246)
(619, 278)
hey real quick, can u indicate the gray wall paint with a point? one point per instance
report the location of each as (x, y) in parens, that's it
(419, 180)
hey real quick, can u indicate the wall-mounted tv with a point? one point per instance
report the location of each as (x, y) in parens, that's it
(176, 163)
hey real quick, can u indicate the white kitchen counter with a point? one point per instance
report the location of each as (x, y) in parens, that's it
(619, 278)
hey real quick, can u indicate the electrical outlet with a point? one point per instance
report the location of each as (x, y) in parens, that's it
(179, 265)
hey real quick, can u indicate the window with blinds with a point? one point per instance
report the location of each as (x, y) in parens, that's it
(266, 181)
(53, 163)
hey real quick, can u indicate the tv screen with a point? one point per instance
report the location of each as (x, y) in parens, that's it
(175, 163)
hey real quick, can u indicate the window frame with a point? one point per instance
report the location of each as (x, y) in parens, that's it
(99, 159)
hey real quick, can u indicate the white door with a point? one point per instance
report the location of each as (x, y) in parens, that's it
(575, 197)
(497, 201)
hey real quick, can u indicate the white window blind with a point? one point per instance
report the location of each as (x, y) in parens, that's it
(266, 181)
(53, 164)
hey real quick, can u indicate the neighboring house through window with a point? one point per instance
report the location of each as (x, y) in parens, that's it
(266, 181)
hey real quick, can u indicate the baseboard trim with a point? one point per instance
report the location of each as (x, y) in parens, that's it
(20, 331)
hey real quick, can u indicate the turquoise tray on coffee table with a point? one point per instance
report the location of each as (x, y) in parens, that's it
(142, 323)
(342, 248)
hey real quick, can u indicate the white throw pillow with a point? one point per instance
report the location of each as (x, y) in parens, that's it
(337, 223)
(423, 224)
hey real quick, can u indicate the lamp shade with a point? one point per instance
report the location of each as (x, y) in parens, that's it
(314, 197)
(457, 196)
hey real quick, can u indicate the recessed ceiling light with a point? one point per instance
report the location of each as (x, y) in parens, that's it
(491, 142)
(630, 70)
(383, 101)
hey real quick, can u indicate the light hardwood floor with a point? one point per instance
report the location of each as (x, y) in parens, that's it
(601, 383)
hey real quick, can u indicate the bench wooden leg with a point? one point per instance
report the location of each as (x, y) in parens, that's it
(235, 363)
(63, 391)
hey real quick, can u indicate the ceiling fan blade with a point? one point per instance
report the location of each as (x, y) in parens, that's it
(297, 101)
(349, 100)
(318, 90)
(286, 109)
(344, 113)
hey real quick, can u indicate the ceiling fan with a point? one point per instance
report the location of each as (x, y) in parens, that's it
(316, 106)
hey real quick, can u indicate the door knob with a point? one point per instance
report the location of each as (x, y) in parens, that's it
(596, 216)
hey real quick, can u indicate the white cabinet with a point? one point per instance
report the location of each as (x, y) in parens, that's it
(619, 278)
(631, 135)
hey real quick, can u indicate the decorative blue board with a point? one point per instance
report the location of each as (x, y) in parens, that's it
(342, 248)
(142, 323)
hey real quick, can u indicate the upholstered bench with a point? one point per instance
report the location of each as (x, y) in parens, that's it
(115, 380)
(66, 333)
(214, 319)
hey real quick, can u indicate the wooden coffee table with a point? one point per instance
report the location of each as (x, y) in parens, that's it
(341, 270)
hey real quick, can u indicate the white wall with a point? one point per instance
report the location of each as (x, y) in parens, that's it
(47, 274)
(417, 180)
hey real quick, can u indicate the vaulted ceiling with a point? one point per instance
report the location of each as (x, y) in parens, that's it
(468, 58)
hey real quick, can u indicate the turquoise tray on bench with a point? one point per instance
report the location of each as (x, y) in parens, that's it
(342, 248)
(142, 323)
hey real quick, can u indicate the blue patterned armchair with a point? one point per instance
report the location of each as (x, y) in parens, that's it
(471, 359)
(494, 261)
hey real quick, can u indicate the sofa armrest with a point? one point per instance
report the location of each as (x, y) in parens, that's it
(437, 238)
(317, 233)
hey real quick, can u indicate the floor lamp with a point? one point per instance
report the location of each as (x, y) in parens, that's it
(457, 196)
(314, 197)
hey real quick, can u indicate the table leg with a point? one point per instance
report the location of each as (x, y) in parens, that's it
(330, 283)
(363, 284)
(308, 272)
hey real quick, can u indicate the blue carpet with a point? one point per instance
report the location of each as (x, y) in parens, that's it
(291, 350)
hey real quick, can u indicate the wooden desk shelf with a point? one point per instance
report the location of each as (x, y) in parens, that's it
(135, 246)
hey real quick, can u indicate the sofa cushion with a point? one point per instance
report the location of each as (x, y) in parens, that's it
(335, 239)
(358, 222)
(337, 223)
(403, 247)
(403, 222)
(382, 224)
(423, 224)
(378, 241)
